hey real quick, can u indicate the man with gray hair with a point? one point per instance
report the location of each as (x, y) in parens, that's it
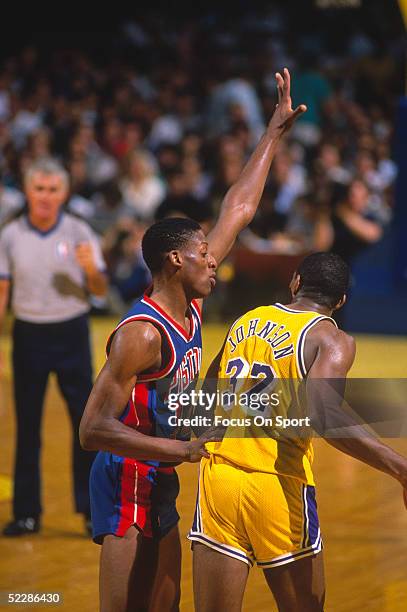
(54, 263)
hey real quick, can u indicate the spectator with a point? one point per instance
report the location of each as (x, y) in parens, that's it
(27, 119)
(330, 164)
(198, 182)
(101, 167)
(141, 188)
(288, 181)
(312, 87)
(11, 201)
(309, 225)
(353, 227)
(225, 96)
(195, 93)
(127, 270)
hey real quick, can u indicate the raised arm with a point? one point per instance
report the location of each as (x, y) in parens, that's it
(135, 348)
(242, 199)
(325, 392)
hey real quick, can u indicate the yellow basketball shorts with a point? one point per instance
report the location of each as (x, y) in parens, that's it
(255, 516)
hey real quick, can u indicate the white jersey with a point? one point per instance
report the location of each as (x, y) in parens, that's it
(48, 285)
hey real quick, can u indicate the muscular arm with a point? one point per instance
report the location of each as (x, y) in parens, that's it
(241, 201)
(135, 348)
(335, 353)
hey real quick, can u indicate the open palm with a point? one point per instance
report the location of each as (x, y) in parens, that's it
(284, 115)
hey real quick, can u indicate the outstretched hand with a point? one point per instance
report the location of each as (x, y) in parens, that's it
(284, 116)
(196, 448)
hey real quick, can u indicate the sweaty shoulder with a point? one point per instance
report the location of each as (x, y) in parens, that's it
(136, 346)
(328, 343)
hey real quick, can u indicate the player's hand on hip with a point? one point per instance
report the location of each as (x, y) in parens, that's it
(196, 448)
(284, 115)
(85, 257)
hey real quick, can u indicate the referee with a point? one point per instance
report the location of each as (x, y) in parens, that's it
(53, 262)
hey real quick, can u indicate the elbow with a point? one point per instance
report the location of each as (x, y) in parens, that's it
(87, 438)
(372, 233)
(375, 234)
(241, 212)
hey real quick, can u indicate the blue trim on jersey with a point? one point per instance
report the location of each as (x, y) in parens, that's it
(177, 374)
(5, 276)
(286, 309)
(313, 523)
(220, 547)
(303, 333)
(289, 557)
(45, 233)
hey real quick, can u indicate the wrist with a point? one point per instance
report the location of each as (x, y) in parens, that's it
(186, 456)
(90, 271)
(396, 466)
(400, 473)
(274, 132)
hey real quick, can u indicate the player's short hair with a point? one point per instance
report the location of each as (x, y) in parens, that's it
(165, 236)
(324, 277)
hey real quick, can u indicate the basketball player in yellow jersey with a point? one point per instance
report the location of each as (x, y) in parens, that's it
(256, 497)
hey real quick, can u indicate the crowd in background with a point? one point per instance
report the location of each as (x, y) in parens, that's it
(162, 120)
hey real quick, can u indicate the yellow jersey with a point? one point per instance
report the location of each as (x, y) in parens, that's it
(263, 364)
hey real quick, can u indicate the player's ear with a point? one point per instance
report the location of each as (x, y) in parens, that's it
(341, 302)
(295, 284)
(175, 258)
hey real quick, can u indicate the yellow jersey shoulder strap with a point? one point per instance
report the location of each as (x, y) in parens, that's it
(316, 317)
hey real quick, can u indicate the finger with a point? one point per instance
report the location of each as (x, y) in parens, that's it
(298, 111)
(216, 435)
(215, 439)
(204, 453)
(287, 81)
(280, 85)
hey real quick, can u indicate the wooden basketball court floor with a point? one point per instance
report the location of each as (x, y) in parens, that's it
(364, 522)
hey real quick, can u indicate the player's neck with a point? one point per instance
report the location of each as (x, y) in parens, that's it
(304, 303)
(172, 299)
